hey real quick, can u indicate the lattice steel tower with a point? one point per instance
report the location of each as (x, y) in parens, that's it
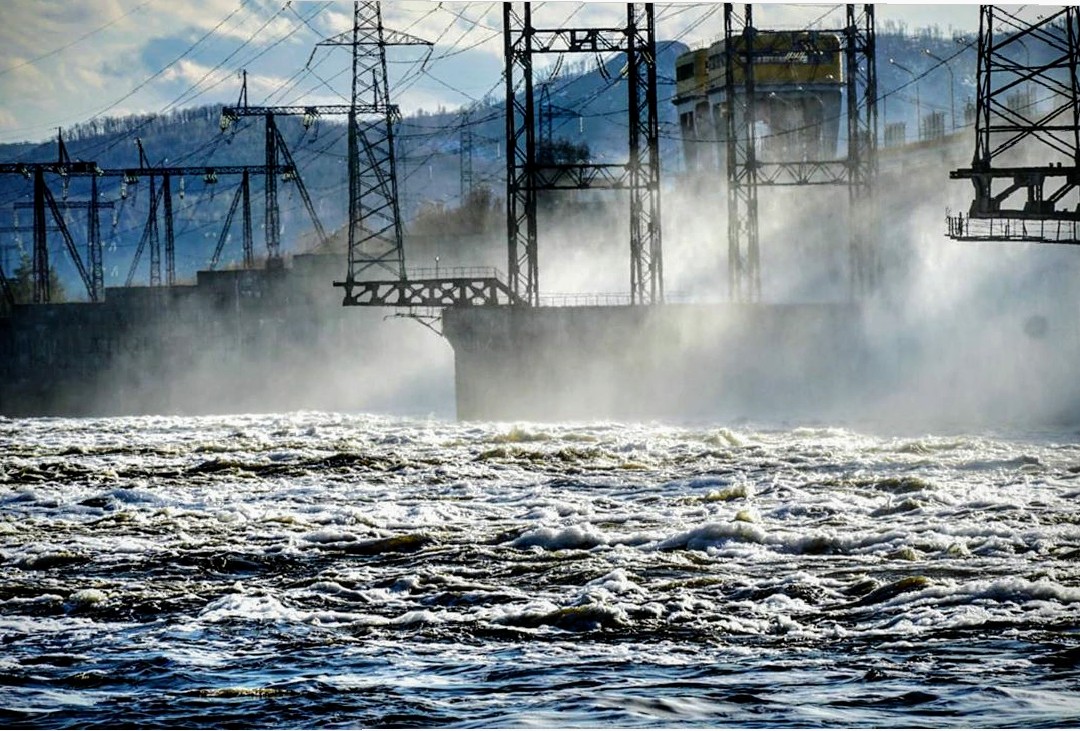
(375, 231)
(640, 174)
(1014, 200)
(744, 49)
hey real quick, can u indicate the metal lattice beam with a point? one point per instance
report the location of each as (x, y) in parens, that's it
(442, 291)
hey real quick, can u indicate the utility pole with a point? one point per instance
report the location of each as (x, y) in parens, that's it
(918, 103)
(952, 85)
(465, 147)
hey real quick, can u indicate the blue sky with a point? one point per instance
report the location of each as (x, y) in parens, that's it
(67, 61)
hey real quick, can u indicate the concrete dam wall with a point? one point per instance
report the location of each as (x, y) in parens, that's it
(237, 341)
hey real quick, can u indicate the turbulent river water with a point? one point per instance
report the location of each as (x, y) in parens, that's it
(318, 570)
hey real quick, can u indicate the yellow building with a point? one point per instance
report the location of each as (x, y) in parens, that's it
(798, 83)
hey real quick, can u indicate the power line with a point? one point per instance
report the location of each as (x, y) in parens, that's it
(237, 50)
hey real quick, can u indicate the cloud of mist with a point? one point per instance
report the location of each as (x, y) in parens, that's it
(955, 335)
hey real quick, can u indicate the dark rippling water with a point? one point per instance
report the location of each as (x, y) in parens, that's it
(324, 570)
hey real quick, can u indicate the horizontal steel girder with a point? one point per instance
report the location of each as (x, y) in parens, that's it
(312, 111)
(579, 176)
(451, 292)
(810, 172)
(1025, 188)
(577, 40)
(62, 168)
(89, 168)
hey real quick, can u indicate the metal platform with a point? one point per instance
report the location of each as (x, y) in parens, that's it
(464, 286)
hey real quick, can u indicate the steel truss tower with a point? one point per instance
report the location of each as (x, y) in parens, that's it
(96, 286)
(465, 160)
(275, 148)
(160, 199)
(744, 268)
(375, 230)
(43, 199)
(1015, 55)
(746, 172)
(526, 176)
(862, 119)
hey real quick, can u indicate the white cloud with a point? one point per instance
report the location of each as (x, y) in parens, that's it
(71, 78)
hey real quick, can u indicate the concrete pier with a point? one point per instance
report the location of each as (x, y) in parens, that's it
(626, 362)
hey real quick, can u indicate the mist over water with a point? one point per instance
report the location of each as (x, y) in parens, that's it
(952, 336)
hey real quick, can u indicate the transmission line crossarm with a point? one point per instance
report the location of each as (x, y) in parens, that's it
(233, 113)
(208, 172)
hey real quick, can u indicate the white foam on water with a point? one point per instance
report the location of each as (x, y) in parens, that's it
(747, 541)
(583, 536)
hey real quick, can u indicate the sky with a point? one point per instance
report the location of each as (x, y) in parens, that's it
(68, 61)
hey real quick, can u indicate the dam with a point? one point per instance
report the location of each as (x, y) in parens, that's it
(806, 326)
(274, 340)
